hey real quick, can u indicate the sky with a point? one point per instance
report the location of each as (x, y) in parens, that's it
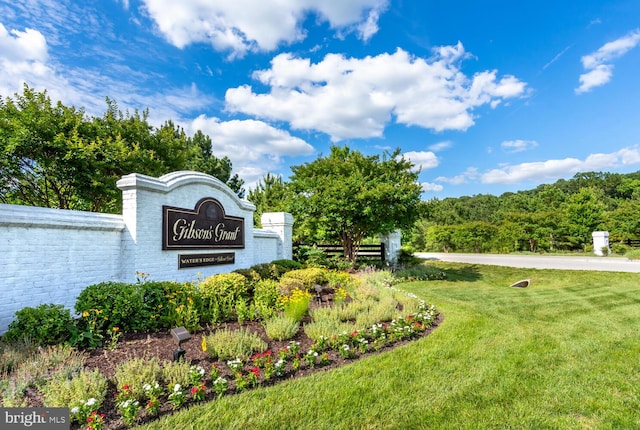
(483, 97)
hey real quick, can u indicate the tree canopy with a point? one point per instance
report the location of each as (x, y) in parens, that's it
(55, 156)
(347, 196)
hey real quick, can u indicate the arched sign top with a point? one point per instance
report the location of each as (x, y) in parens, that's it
(205, 227)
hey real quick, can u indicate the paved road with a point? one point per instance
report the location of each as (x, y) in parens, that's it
(607, 264)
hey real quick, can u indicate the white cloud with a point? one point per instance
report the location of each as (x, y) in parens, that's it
(554, 169)
(441, 146)
(240, 26)
(471, 174)
(518, 145)
(253, 147)
(355, 98)
(422, 160)
(431, 187)
(598, 70)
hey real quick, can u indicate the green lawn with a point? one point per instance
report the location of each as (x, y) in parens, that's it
(561, 354)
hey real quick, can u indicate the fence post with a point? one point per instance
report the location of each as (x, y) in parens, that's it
(281, 223)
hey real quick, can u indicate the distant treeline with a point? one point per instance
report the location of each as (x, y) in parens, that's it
(551, 217)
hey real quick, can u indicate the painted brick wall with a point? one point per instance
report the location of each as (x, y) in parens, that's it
(50, 255)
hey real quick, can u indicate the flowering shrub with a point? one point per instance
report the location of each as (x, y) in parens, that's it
(127, 405)
(219, 386)
(198, 392)
(296, 305)
(95, 421)
(177, 396)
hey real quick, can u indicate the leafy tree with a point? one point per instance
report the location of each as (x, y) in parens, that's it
(269, 195)
(348, 196)
(583, 212)
(55, 156)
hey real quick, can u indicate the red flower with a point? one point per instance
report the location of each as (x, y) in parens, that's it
(194, 390)
(256, 371)
(125, 387)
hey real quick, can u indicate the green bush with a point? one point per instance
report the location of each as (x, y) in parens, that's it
(225, 344)
(119, 303)
(265, 298)
(309, 277)
(137, 372)
(634, 254)
(220, 294)
(46, 324)
(176, 372)
(281, 328)
(83, 393)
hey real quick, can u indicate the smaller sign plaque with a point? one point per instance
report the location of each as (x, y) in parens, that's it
(198, 260)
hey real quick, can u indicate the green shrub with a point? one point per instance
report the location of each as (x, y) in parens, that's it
(620, 248)
(225, 344)
(281, 327)
(135, 373)
(265, 298)
(46, 324)
(296, 305)
(119, 303)
(12, 355)
(184, 306)
(309, 277)
(176, 372)
(634, 254)
(220, 294)
(327, 329)
(83, 393)
(343, 280)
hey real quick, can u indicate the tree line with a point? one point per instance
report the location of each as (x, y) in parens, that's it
(551, 217)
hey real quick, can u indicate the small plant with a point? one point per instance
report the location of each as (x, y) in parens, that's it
(137, 372)
(196, 375)
(73, 393)
(229, 344)
(310, 357)
(152, 393)
(220, 386)
(265, 298)
(177, 396)
(296, 305)
(95, 421)
(127, 404)
(198, 392)
(180, 373)
(345, 351)
(129, 410)
(114, 336)
(281, 327)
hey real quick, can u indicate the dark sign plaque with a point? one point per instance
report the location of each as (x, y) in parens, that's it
(197, 260)
(205, 227)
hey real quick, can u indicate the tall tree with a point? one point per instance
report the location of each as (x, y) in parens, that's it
(269, 195)
(349, 196)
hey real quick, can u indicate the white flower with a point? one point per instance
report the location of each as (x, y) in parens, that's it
(75, 410)
(90, 402)
(177, 388)
(146, 387)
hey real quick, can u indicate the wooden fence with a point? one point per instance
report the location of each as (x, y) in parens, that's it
(371, 252)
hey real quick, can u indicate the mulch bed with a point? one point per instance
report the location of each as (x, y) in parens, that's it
(162, 346)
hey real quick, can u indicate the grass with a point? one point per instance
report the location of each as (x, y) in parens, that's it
(561, 354)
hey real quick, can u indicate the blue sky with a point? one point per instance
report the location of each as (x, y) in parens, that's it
(487, 97)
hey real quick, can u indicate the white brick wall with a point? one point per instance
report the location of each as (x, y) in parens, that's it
(50, 255)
